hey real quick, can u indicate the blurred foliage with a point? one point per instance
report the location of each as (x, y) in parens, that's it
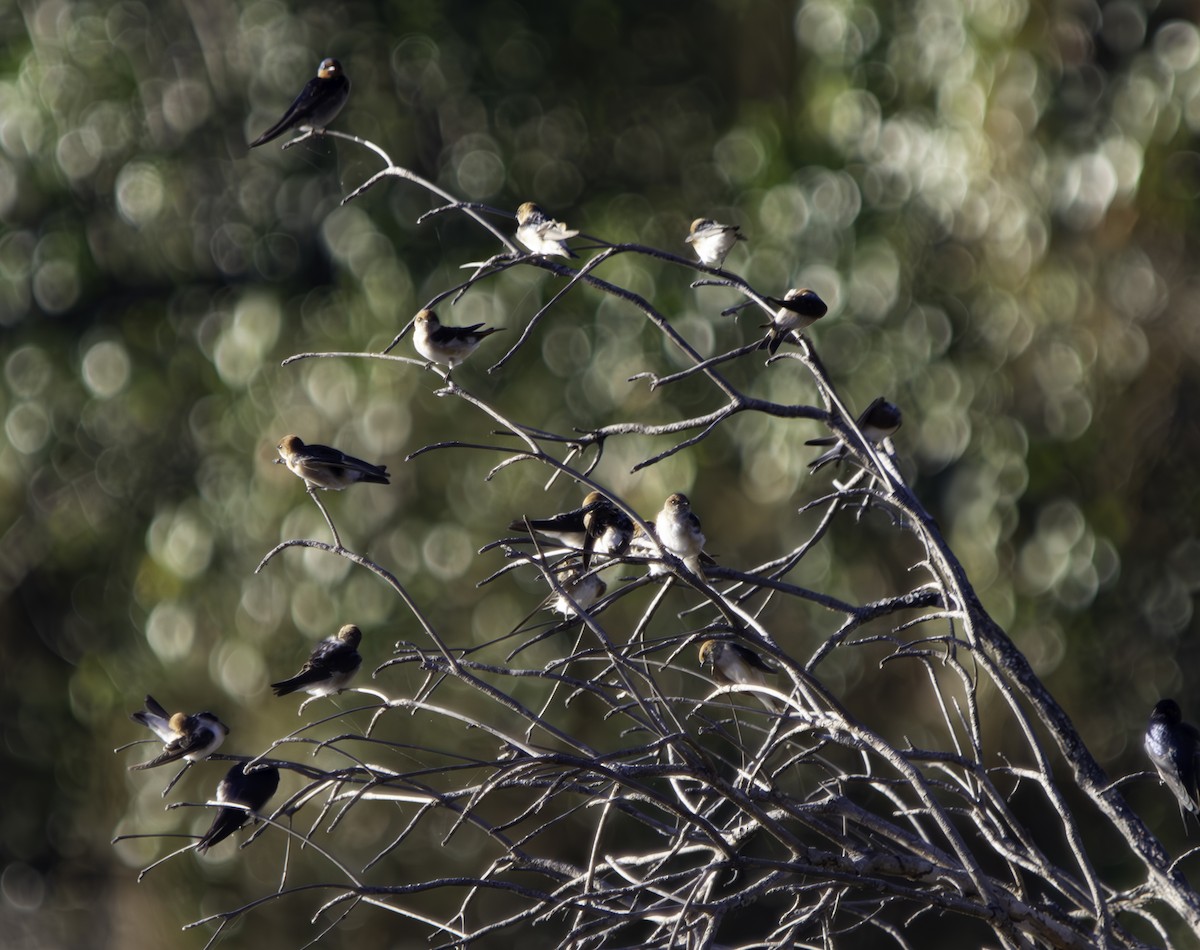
(996, 199)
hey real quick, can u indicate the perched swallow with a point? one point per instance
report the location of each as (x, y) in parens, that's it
(185, 737)
(878, 421)
(238, 787)
(318, 104)
(329, 667)
(798, 310)
(323, 467)
(598, 527)
(584, 590)
(1174, 747)
(678, 531)
(731, 664)
(541, 234)
(446, 345)
(712, 241)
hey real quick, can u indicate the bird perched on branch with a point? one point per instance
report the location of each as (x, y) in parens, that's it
(192, 738)
(250, 789)
(318, 104)
(731, 664)
(324, 467)
(878, 421)
(712, 241)
(448, 346)
(678, 530)
(541, 233)
(1174, 747)
(584, 589)
(798, 310)
(597, 527)
(330, 666)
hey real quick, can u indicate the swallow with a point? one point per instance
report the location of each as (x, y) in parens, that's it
(329, 667)
(542, 234)
(798, 310)
(250, 789)
(318, 104)
(448, 346)
(678, 530)
(323, 467)
(1174, 747)
(184, 737)
(878, 421)
(598, 527)
(584, 589)
(712, 241)
(731, 664)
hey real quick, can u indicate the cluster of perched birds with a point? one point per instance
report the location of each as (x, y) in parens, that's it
(597, 531)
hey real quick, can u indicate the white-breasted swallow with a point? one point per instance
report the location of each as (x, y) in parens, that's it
(1174, 747)
(712, 241)
(238, 787)
(541, 233)
(799, 309)
(678, 530)
(731, 664)
(878, 421)
(448, 346)
(324, 467)
(318, 104)
(192, 738)
(584, 589)
(330, 666)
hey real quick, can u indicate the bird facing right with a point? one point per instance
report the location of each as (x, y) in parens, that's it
(330, 666)
(318, 104)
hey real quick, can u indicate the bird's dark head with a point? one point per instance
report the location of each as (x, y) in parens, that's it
(329, 69)
(1167, 710)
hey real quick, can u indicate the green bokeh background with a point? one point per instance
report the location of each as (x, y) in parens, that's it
(996, 199)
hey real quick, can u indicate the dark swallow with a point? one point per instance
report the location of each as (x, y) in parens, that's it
(329, 667)
(252, 790)
(878, 421)
(184, 737)
(1174, 747)
(318, 104)
(323, 467)
(597, 527)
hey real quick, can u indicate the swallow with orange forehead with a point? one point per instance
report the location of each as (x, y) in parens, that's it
(191, 738)
(249, 790)
(324, 467)
(330, 666)
(318, 104)
(448, 346)
(712, 241)
(878, 421)
(541, 233)
(1174, 747)
(731, 664)
(597, 527)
